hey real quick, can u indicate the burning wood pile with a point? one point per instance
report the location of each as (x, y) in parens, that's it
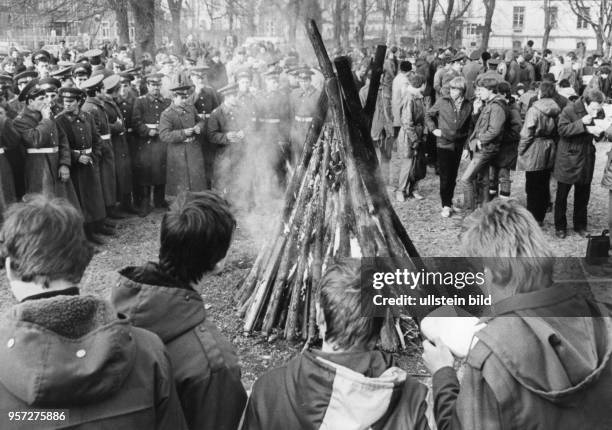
(336, 205)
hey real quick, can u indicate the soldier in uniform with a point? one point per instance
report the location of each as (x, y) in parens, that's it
(149, 160)
(303, 104)
(273, 118)
(80, 73)
(64, 75)
(95, 107)
(227, 128)
(182, 130)
(50, 85)
(21, 80)
(47, 161)
(9, 143)
(85, 151)
(123, 163)
(205, 99)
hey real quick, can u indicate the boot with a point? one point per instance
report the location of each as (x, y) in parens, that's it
(127, 206)
(159, 193)
(113, 213)
(100, 228)
(91, 236)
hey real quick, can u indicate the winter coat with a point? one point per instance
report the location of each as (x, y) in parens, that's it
(575, 158)
(506, 157)
(490, 125)
(603, 85)
(42, 169)
(349, 391)
(95, 107)
(544, 364)
(606, 180)
(536, 150)
(185, 155)
(150, 156)
(204, 362)
(400, 82)
(526, 74)
(75, 353)
(412, 114)
(123, 162)
(382, 122)
(454, 125)
(9, 141)
(84, 139)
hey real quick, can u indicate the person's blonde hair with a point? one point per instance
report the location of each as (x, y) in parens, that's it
(511, 244)
(458, 82)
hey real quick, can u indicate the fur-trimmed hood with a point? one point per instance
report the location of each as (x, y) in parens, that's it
(64, 350)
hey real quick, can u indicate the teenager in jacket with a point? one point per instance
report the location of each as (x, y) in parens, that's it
(575, 159)
(484, 142)
(348, 384)
(536, 150)
(161, 297)
(450, 120)
(61, 350)
(543, 360)
(410, 139)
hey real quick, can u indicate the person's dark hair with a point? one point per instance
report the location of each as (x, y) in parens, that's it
(590, 60)
(605, 70)
(534, 85)
(416, 80)
(405, 66)
(488, 83)
(195, 235)
(45, 240)
(593, 95)
(344, 307)
(547, 90)
(530, 43)
(505, 90)
(564, 83)
(546, 52)
(548, 77)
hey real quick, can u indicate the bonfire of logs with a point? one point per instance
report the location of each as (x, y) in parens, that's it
(336, 205)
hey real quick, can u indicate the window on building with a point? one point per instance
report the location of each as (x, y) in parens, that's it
(552, 12)
(582, 23)
(270, 27)
(518, 16)
(105, 29)
(471, 29)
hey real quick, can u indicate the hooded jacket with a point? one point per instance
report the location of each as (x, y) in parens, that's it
(205, 365)
(536, 150)
(348, 391)
(558, 375)
(75, 353)
(490, 124)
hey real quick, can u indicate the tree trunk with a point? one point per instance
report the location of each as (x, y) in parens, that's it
(293, 20)
(175, 13)
(600, 43)
(362, 23)
(337, 21)
(448, 21)
(429, 9)
(547, 25)
(144, 25)
(490, 8)
(391, 36)
(120, 7)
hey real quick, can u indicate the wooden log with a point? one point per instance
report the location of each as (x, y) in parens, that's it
(377, 71)
(278, 288)
(319, 48)
(248, 284)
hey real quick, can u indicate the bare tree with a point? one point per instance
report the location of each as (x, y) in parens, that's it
(175, 7)
(548, 24)
(429, 10)
(601, 21)
(144, 25)
(452, 15)
(392, 34)
(486, 32)
(120, 7)
(365, 9)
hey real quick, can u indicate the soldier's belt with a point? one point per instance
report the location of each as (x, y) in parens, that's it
(303, 118)
(270, 120)
(204, 115)
(42, 150)
(129, 130)
(1, 150)
(82, 151)
(105, 136)
(152, 125)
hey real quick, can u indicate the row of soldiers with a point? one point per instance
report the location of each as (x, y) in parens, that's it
(114, 147)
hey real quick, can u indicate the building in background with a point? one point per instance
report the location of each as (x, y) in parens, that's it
(517, 21)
